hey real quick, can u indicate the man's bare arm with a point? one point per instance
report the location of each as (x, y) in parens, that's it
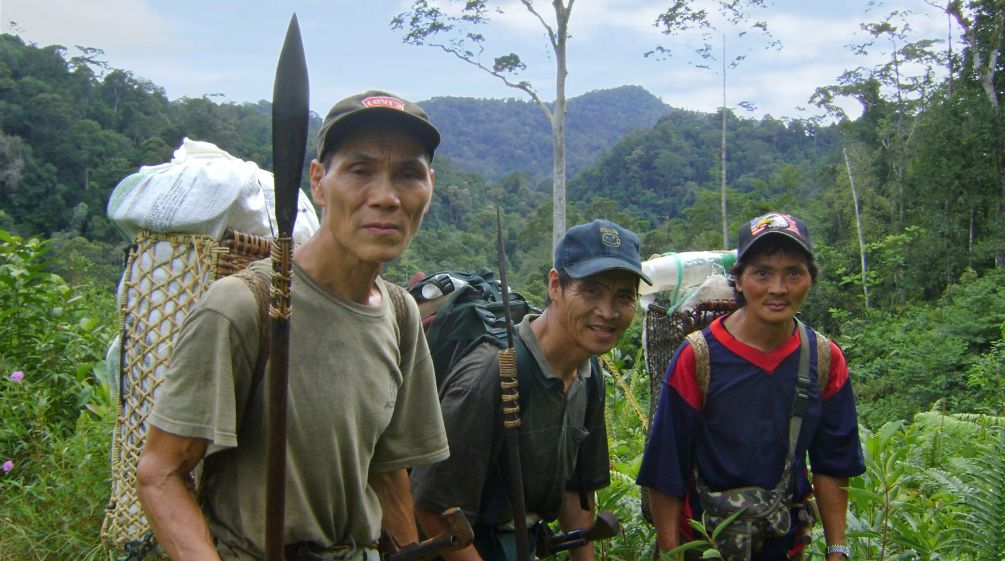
(832, 498)
(666, 511)
(395, 495)
(573, 517)
(165, 489)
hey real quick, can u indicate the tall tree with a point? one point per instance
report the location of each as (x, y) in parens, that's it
(427, 24)
(734, 15)
(983, 25)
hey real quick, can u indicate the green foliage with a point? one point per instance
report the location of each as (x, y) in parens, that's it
(54, 511)
(904, 361)
(55, 415)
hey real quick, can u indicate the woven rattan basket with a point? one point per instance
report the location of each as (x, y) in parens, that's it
(165, 275)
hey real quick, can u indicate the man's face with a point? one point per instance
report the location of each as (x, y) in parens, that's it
(375, 191)
(775, 286)
(596, 310)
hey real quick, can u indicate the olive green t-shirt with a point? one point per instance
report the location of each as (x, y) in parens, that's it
(362, 399)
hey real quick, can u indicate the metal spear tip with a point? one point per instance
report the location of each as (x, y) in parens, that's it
(290, 116)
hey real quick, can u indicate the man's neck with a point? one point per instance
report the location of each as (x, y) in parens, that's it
(762, 336)
(563, 356)
(355, 281)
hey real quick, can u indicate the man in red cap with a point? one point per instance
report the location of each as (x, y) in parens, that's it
(362, 393)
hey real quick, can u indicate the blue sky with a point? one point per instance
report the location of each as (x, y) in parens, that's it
(228, 47)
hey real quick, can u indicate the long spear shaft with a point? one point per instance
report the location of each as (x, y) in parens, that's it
(511, 410)
(290, 113)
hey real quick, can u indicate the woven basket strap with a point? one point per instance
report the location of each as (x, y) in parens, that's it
(398, 304)
(701, 359)
(259, 284)
(823, 361)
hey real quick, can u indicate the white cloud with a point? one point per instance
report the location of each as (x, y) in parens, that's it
(109, 25)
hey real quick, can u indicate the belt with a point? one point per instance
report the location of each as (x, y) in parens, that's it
(310, 551)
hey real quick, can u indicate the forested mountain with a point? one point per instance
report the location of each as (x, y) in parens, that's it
(494, 137)
(656, 172)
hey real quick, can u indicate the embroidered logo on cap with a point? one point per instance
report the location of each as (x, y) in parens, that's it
(384, 101)
(609, 237)
(774, 221)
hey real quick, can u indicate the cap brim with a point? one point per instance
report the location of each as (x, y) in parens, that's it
(756, 240)
(590, 267)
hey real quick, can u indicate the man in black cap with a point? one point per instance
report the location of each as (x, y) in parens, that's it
(746, 401)
(592, 293)
(362, 393)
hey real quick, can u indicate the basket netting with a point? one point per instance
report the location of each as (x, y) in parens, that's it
(662, 334)
(165, 275)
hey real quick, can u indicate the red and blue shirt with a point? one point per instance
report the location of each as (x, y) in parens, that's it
(736, 435)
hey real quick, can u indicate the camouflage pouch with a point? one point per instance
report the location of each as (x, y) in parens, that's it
(765, 515)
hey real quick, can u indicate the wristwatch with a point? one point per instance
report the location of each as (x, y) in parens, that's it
(839, 548)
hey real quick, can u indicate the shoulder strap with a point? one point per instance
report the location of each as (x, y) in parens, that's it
(397, 295)
(701, 359)
(823, 361)
(260, 285)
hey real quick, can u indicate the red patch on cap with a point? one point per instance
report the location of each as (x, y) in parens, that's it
(384, 101)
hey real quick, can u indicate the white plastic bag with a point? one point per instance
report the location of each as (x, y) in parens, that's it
(203, 190)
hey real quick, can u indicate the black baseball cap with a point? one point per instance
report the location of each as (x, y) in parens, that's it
(355, 110)
(773, 224)
(601, 245)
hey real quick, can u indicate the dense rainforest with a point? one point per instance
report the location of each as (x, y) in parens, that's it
(920, 173)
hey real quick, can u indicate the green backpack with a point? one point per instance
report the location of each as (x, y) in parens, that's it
(471, 314)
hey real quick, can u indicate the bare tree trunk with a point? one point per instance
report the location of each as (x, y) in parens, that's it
(949, 47)
(970, 240)
(558, 122)
(858, 222)
(722, 185)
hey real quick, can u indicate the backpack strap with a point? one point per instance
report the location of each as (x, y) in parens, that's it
(701, 359)
(397, 295)
(593, 388)
(823, 361)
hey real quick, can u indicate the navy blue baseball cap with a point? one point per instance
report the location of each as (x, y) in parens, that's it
(601, 245)
(773, 224)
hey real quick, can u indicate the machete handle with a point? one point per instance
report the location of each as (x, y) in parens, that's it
(458, 536)
(605, 526)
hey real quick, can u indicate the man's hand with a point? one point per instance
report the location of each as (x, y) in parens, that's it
(164, 486)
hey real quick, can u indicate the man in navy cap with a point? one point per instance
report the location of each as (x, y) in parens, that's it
(592, 295)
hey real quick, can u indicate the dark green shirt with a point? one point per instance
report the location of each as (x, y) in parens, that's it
(554, 429)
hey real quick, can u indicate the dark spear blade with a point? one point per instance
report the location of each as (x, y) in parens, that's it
(290, 114)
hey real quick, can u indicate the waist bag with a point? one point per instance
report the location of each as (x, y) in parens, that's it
(763, 513)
